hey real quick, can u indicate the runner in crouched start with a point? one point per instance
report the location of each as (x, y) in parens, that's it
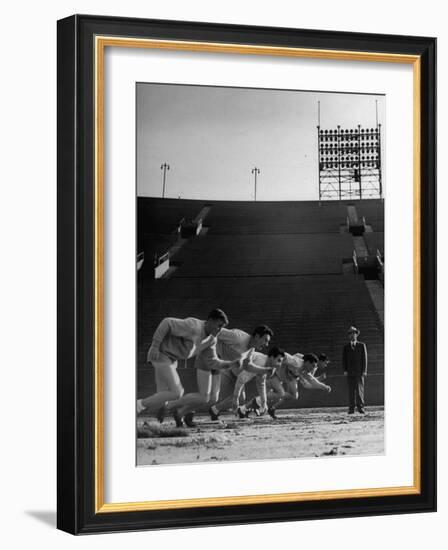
(176, 339)
(208, 377)
(284, 382)
(261, 367)
(223, 356)
(236, 345)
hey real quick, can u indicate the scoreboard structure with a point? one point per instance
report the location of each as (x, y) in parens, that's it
(349, 163)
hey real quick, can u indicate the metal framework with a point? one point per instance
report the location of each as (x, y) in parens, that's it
(349, 163)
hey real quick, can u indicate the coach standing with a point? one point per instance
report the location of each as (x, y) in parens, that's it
(354, 363)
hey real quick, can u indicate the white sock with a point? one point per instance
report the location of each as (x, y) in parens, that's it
(140, 407)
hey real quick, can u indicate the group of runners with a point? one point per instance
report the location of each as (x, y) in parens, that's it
(225, 361)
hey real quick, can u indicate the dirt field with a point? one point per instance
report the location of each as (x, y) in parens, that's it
(298, 433)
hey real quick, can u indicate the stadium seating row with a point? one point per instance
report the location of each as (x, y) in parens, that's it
(307, 313)
(230, 217)
(250, 255)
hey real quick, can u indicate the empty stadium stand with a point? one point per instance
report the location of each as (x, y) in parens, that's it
(375, 241)
(275, 263)
(161, 216)
(262, 218)
(288, 254)
(373, 211)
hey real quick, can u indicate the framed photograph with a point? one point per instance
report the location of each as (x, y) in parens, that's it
(246, 274)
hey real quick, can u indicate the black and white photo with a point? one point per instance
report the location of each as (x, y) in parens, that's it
(260, 273)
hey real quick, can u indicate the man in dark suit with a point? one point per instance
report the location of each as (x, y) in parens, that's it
(354, 363)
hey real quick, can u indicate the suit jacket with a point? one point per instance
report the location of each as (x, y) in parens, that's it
(354, 361)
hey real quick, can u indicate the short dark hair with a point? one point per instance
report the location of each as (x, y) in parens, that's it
(310, 358)
(275, 352)
(262, 330)
(323, 357)
(218, 315)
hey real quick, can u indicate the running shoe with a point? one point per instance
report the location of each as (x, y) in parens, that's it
(178, 419)
(255, 406)
(161, 413)
(214, 413)
(188, 419)
(242, 413)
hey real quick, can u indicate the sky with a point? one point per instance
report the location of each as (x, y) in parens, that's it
(212, 138)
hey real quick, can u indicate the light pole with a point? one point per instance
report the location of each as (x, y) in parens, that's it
(164, 167)
(255, 171)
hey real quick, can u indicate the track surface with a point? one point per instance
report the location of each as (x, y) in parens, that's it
(298, 433)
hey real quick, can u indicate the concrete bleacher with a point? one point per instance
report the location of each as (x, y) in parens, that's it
(375, 241)
(267, 269)
(373, 211)
(156, 244)
(273, 218)
(161, 216)
(157, 225)
(307, 313)
(251, 255)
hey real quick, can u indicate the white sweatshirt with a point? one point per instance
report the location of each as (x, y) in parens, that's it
(233, 344)
(181, 338)
(295, 365)
(260, 360)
